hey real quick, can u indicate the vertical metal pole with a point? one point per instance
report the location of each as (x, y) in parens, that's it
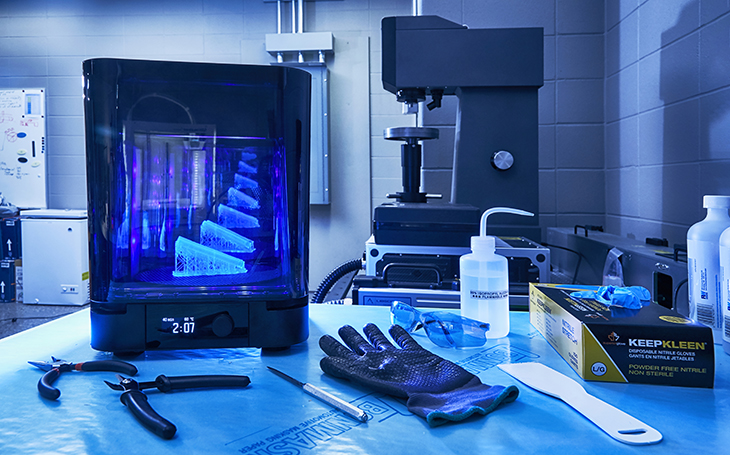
(300, 29)
(293, 16)
(279, 55)
(278, 16)
(301, 16)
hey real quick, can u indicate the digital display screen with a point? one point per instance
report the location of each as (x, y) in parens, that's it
(178, 326)
(209, 325)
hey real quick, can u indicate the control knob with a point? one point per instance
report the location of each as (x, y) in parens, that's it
(222, 325)
(502, 160)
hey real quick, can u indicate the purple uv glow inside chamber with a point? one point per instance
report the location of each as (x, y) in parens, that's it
(198, 191)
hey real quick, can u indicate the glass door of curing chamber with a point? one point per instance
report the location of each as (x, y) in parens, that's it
(198, 182)
(200, 211)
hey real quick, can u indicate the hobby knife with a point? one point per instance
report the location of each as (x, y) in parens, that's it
(349, 409)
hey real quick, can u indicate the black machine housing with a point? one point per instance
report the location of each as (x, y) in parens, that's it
(495, 75)
(413, 254)
(198, 204)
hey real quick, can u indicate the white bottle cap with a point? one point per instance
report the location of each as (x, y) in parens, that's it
(483, 243)
(716, 202)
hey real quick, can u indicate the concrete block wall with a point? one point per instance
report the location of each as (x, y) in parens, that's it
(634, 113)
(571, 118)
(43, 43)
(667, 113)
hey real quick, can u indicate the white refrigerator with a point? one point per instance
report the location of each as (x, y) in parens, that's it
(55, 256)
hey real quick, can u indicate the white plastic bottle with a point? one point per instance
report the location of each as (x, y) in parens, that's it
(725, 288)
(484, 279)
(703, 263)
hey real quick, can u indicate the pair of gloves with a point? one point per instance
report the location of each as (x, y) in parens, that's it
(436, 389)
(631, 297)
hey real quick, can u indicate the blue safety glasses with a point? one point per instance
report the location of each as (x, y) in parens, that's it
(445, 329)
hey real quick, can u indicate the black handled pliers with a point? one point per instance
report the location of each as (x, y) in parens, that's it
(134, 399)
(57, 366)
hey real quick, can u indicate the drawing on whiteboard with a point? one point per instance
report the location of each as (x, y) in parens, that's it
(11, 99)
(11, 135)
(22, 147)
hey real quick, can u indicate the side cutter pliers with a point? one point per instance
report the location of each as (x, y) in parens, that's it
(134, 399)
(57, 366)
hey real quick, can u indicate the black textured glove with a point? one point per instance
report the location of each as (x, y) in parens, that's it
(437, 389)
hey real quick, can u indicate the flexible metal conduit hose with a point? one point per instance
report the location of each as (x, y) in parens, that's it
(333, 277)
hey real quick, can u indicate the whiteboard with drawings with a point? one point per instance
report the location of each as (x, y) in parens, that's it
(23, 147)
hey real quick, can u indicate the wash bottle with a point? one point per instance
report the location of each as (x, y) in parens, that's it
(484, 279)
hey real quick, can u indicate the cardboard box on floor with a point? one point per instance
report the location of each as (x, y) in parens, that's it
(653, 345)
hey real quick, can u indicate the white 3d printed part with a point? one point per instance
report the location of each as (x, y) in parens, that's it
(240, 199)
(222, 239)
(232, 218)
(240, 182)
(193, 259)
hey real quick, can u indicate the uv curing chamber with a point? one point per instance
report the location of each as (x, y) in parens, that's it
(198, 204)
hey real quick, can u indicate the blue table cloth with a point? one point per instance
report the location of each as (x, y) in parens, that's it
(272, 416)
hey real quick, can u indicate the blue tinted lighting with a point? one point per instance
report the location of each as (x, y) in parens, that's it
(240, 199)
(194, 259)
(222, 239)
(232, 218)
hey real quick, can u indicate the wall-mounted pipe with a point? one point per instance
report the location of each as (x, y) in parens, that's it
(293, 17)
(279, 55)
(300, 28)
(278, 16)
(301, 16)
(320, 42)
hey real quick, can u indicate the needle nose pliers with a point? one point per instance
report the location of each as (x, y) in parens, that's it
(134, 399)
(57, 366)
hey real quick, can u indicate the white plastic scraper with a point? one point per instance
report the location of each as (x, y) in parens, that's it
(613, 421)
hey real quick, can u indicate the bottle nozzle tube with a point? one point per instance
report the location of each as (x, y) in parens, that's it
(485, 215)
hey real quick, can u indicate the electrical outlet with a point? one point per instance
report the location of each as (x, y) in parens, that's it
(69, 289)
